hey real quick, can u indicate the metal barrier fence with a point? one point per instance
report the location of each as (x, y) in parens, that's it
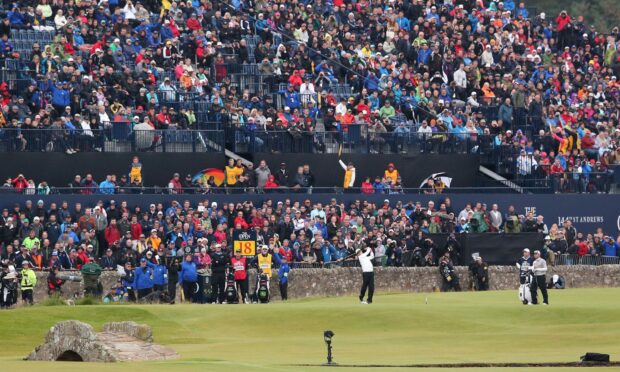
(117, 137)
(357, 139)
(573, 259)
(198, 189)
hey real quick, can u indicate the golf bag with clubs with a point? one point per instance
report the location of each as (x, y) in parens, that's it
(525, 294)
(203, 287)
(262, 288)
(231, 287)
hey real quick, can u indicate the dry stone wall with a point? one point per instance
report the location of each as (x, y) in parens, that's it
(347, 281)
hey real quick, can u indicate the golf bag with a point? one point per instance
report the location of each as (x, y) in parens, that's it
(90, 274)
(262, 288)
(231, 288)
(203, 287)
(525, 294)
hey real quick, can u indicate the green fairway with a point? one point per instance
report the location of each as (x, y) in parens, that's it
(397, 329)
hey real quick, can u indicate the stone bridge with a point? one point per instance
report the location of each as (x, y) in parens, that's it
(72, 340)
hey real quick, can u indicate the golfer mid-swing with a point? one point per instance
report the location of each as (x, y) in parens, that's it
(365, 256)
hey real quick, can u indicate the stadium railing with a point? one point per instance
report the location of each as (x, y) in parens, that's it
(573, 259)
(274, 192)
(117, 137)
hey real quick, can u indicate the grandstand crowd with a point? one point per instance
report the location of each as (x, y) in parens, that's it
(458, 71)
(70, 236)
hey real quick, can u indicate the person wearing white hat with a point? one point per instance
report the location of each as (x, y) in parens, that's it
(524, 265)
(264, 261)
(29, 280)
(219, 263)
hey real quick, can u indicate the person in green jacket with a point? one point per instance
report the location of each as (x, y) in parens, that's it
(31, 240)
(387, 111)
(29, 280)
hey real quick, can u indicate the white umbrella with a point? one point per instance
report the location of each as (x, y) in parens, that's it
(441, 176)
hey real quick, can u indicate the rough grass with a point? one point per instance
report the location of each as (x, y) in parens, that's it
(398, 329)
(54, 301)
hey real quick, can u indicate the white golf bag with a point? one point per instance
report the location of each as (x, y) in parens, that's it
(525, 294)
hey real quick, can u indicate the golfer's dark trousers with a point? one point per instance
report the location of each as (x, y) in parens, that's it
(284, 291)
(368, 282)
(172, 289)
(242, 285)
(540, 281)
(144, 292)
(188, 291)
(218, 281)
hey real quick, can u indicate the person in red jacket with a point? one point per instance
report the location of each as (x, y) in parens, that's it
(174, 185)
(240, 268)
(193, 23)
(240, 222)
(136, 228)
(564, 29)
(367, 187)
(112, 233)
(271, 183)
(19, 183)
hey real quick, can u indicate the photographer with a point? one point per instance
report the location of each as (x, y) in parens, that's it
(8, 285)
(479, 271)
(173, 264)
(54, 283)
(448, 274)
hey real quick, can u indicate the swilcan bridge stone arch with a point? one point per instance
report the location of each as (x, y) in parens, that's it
(73, 340)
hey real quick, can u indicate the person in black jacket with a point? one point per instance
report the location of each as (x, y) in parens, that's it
(448, 274)
(219, 262)
(479, 271)
(173, 264)
(108, 261)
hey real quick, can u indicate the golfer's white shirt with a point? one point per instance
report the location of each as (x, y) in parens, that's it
(366, 261)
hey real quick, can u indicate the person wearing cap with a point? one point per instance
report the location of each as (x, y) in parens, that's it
(108, 261)
(54, 283)
(219, 263)
(479, 271)
(524, 264)
(188, 278)
(450, 278)
(539, 270)
(283, 277)
(143, 281)
(127, 280)
(240, 267)
(264, 261)
(159, 270)
(365, 255)
(29, 280)
(391, 172)
(173, 267)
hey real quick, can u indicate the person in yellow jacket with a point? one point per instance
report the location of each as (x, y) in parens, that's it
(391, 172)
(135, 174)
(349, 174)
(29, 280)
(264, 261)
(232, 173)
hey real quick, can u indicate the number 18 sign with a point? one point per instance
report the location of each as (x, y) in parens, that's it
(245, 241)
